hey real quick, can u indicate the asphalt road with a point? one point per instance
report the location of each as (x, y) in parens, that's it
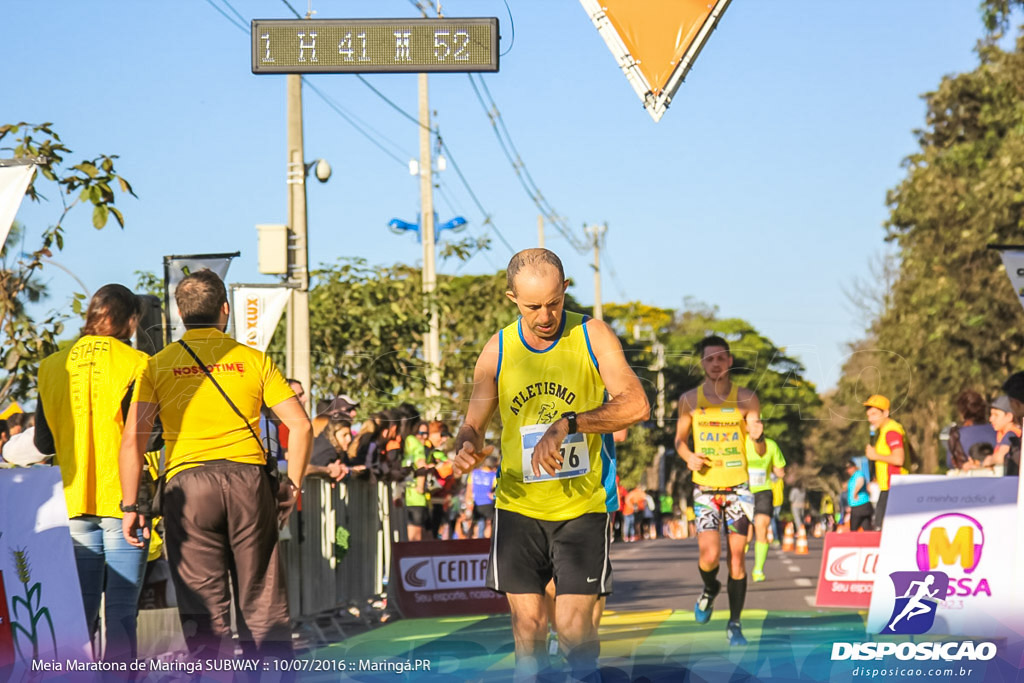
(662, 574)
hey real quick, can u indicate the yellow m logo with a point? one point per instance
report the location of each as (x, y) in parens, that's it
(940, 547)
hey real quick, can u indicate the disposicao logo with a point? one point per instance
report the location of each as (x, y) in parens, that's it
(917, 597)
(950, 651)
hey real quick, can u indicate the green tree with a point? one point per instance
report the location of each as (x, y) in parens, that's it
(148, 282)
(952, 319)
(91, 182)
(368, 322)
(789, 403)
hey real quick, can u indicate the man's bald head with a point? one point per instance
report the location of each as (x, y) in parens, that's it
(536, 258)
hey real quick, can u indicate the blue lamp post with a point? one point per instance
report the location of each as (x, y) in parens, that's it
(399, 226)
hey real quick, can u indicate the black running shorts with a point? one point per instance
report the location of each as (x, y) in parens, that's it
(526, 553)
(763, 503)
(484, 512)
(416, 515)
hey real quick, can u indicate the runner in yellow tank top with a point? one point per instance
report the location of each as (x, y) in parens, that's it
(548, 373)
(718, 413)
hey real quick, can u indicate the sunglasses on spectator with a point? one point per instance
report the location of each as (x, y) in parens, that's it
(422, 433)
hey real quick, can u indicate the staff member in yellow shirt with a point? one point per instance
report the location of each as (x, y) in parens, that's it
(220, 514)
(887, 449)
(84, 392)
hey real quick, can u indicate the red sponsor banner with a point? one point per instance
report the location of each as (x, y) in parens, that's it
(6, 636)
(848, 565)
(444, 578)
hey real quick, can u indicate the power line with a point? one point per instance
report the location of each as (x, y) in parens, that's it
(522, 173)
(225, 14)
(613, 274)
(349, 118)
(394, 106)
(418, 6)
(451, 157)
(446, 196)
(476, 200)
(234, 11)
(288, 5)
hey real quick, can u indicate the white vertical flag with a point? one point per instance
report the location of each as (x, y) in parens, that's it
(14, 181)
(256, 310)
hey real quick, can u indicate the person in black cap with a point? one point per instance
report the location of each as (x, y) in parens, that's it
(1013, 387)
(342, 407)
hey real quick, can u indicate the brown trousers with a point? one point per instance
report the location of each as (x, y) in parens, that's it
(220, 523)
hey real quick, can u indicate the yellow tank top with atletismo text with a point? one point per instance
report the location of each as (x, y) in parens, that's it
(535, 386)
(720, 435)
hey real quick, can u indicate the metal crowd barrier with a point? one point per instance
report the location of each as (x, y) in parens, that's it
(318, 582)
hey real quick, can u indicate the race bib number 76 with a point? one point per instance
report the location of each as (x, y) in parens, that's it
(575, 454)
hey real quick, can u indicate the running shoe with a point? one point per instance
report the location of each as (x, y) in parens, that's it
(705, 605)
(775, 545)
(735, 633)
(758, 577)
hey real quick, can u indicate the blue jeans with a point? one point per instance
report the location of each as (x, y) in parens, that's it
(108, 565)
(777, 510)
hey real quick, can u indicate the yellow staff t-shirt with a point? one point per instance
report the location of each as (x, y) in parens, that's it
(198, 423)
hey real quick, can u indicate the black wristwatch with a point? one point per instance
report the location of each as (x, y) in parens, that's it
(571, 417)
(134, 507)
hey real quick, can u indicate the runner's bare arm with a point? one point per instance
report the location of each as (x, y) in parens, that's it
(626, 406)
(684, 422)
(469, 442)
(751, 409)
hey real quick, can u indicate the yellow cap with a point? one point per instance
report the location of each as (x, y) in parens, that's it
(877, 401)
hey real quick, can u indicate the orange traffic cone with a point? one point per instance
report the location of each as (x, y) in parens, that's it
(817, 530)
(801, 543)
(787, 538)
(771, 536)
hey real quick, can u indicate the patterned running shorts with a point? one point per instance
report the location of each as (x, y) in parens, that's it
(736, 503)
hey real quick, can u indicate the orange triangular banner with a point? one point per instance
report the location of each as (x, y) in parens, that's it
(655, 41)
(657, 32)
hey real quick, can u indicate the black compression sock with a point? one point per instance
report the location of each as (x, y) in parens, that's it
(737, 589)
(711, 582)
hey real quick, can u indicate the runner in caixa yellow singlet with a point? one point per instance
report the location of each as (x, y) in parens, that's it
(561, 383)
(717, 414)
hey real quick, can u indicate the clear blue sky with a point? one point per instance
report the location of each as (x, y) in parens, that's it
(761, 191)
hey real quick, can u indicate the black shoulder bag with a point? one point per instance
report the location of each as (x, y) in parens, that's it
(270, 466)
(151, 495)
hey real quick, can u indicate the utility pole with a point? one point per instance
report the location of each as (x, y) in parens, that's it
(659, 366)
(432, 343)
(540, 231)
(596, 232)
(297, 352)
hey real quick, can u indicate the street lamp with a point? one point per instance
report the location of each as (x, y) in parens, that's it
(398, 226)
(432, 342)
